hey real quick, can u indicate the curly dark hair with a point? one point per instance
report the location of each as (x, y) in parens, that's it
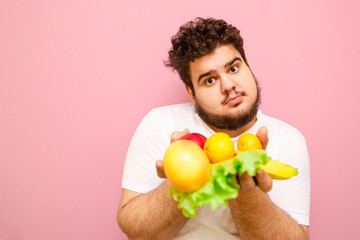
(198, 38)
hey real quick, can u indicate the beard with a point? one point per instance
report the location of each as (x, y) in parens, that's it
(231, 121)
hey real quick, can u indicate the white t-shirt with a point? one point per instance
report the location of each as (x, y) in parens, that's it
(152, 138)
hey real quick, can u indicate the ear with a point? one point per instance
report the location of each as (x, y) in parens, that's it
(190, 92)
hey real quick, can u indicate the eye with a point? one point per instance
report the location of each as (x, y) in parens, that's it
(209, 81)
(234, 69)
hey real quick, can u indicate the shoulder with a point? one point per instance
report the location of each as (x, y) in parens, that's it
(286, 143)
(169, 113)
(174, 117)
(173, 110)
(279, 128)
(162, 121)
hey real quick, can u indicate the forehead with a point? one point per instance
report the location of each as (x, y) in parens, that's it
(214, 61)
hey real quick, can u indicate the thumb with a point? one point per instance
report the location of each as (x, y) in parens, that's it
(262, 134)
(160, 169)
(176, 135)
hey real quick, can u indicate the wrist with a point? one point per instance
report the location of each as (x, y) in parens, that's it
(250, 199)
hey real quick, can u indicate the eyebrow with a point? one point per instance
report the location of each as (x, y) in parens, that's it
(232, 61)
(225, 66)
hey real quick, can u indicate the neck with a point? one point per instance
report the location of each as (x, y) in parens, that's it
(237, 132)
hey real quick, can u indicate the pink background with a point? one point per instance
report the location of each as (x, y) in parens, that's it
(76, 78)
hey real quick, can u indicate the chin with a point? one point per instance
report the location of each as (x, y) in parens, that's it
(231, 118)
(240, 109)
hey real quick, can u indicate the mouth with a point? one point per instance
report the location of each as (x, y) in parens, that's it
(233, 100)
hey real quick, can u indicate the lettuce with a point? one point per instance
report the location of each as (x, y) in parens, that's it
(222, 184)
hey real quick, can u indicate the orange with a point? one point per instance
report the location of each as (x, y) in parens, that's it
(248, 141)
(186, 165)
(219, 147)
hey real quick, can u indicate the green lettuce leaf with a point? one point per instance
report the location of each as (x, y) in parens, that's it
(222, 184)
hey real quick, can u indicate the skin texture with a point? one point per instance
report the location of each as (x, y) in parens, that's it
(150, 216)
(223, 75)
(155, 215)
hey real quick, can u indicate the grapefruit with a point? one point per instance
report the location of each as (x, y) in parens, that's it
(186, 165)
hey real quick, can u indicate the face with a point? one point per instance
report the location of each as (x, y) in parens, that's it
(226, 93)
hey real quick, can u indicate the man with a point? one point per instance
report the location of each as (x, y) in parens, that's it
(208, 54)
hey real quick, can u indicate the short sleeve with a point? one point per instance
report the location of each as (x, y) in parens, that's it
(148, 145)
(293, 195)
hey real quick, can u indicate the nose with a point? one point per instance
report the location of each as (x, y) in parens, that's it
(227, 84)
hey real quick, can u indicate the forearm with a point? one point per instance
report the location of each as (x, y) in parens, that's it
(256, 217)
(151, 216)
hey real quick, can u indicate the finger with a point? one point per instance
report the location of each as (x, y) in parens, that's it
(176, 135)
(160, 169)
(264, 181)
(262, 134)
(246, 182)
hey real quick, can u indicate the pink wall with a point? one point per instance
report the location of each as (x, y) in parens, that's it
(76, 77)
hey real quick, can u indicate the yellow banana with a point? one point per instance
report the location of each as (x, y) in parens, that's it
(279, 170)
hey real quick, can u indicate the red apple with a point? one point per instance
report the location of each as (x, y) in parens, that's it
(197, 138)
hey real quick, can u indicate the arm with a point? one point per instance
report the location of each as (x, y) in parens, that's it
(153, 215)
(254, 214)
(256, 217)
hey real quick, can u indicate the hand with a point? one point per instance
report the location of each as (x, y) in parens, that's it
(176, 135)
(262, 135)
(262, 179)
